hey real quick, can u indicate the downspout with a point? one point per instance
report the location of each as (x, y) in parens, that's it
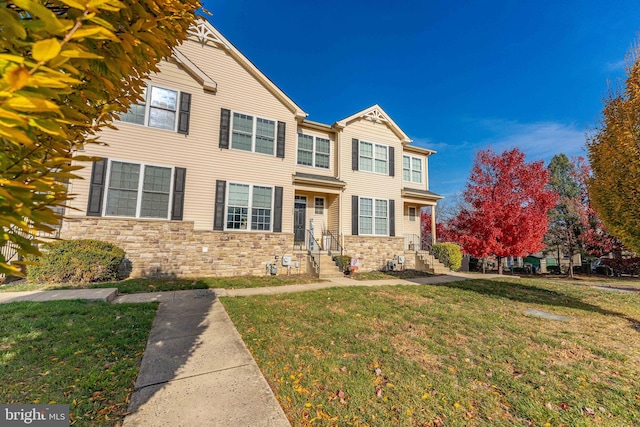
(338, 173)
(433, 207)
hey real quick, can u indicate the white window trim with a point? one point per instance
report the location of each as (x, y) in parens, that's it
(251, 185)
(313, 150)
(324, 206)
(139, 190)
(415, 213)
(373, 159)
(422, 173)
(147, 109)
(253, 133)
(373, 217)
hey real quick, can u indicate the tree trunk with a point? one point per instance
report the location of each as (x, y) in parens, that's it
(500, 265)
(571, 262)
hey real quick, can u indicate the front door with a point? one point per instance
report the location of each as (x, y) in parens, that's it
(299, 218)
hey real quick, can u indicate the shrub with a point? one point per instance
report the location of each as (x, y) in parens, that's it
(76, 261)
(449, 254)
(344, 263)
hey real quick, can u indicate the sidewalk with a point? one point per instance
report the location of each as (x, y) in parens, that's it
(196, 370)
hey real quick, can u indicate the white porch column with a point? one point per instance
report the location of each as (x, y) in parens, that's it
(433, 225)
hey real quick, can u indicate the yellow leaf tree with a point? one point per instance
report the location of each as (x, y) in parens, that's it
(67, 68)
(614, 154)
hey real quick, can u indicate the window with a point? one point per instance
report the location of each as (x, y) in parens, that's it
(319, 206)
(138, 190)
(254, 134)
(412, 169)
(373, 158)
(412, 213)
(313, 151)
(373, 217)
(249, 207)
(160, 109)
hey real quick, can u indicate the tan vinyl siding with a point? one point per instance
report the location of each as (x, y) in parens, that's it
(369, 184)
(334, 214)
(199, 151)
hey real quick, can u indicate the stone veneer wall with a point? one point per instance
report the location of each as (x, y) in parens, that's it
(373, 252)
(174, 248)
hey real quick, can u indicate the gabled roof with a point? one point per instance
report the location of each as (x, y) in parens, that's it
(376, 114)
(206, 34)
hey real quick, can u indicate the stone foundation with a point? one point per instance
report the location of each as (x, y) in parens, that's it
(175, 249)
(373, 252)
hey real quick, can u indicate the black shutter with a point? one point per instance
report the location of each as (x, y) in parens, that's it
(282, 130)
(96, 188)
(178, 194)
(354, 154)
(392, 163)
(277, 211)
(392, 218)
(218, 218)
(225, 122)
(354, 215)
(183, 118)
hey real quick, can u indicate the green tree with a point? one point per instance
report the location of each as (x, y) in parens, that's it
(568, 217)
(614, 154)
(67, 68)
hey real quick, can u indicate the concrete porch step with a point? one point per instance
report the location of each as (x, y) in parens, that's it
(328, 268)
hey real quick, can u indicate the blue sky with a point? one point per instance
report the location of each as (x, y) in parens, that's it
(455, 76)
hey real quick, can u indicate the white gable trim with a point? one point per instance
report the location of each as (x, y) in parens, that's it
(376, 114)
(205, 33)
(206, 81)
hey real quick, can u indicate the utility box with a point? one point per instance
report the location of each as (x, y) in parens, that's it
(401, 259)
(286, 261)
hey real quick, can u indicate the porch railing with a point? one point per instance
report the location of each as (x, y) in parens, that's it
(315, 250)
(333, 247)
(413, 242)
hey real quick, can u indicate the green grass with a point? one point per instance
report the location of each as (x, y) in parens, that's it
(382, 275)
(240, 282)
(85, 354)
(131, 286)
(457, 354)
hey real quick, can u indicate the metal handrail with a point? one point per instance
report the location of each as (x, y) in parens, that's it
(314, 245)
(334, 244)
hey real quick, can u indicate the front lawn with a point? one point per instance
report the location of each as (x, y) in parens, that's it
(131, 286)
(386, 275)
(456, 354)
(84, 354)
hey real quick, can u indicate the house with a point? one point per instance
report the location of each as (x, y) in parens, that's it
(219, 172)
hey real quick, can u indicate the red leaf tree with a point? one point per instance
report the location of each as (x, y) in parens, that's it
(506, 205)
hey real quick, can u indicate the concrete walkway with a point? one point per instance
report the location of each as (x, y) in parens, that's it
(196, 370)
